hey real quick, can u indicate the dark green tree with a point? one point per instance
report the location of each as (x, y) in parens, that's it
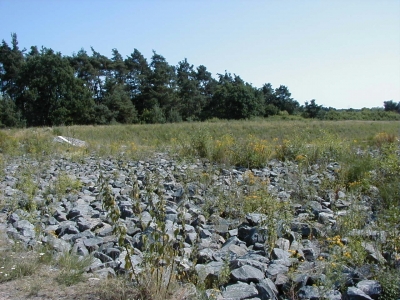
(235, 99)
(207, 87)
(11, 63)
(270, 100)
(81, 62)
(163, 85)
(311, 110)
(118, 67)
(138, 80)
(52, 95)
(154, 115)
(283, 100)
(120, 105)
(9, 114)
(102, 66)
(391, 106)
(190, 96)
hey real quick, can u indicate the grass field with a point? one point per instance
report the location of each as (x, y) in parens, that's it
(188, 138)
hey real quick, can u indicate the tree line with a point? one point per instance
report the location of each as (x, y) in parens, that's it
(41, 87)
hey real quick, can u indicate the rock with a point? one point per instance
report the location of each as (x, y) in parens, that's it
(93, 243)
(66, 228)
(318, 292)
(302, 228)
(251, 235)
(333, 295)
(247, 274)
(309, 254)
(240, 262)
(274, 269)
(239, 291)
(354, 293)
(209, 273)
(282, 256)
(373, 252)
(80, 249)
(310, 292)
(205, 255)
(370, 287)
(70, 141)
(103, 257)
(58, 244)
(112, 252)
(267, 289)
(283, 244)
(326, 218)
(255, 219)
(25, 228)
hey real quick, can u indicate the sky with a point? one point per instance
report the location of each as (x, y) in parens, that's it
(342, 53)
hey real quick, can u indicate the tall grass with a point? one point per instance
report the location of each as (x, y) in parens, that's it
(246, 143)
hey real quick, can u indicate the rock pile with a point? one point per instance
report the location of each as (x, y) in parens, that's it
(213, 243)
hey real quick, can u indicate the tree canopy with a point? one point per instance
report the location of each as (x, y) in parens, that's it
(44, 88)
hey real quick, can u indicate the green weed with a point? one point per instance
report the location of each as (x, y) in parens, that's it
(72, 268)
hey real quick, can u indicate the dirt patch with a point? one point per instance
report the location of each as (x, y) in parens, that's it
(42, 285)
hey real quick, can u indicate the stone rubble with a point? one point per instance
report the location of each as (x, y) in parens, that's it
(78, 223)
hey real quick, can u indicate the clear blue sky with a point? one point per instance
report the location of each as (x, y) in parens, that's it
(343, 53)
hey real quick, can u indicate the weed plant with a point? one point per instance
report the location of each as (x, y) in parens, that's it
(72, 268)
(156, 275)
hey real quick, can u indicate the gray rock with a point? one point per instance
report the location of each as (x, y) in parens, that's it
(267, 290)
(247, 274)
(302, 228)
(58, 244)
(371, 287)
(283, 244)
(204, 234)
(354, 293)
(64, 229)
(310, 292)
(239, 291)
(240, 262)
(93, 243)
(373, 252)
(318, 292)
(333, 295)
(191, 238)
(255, 219)
(103, 257)
(251, 235)
(280, 254)
(209, 272)
(112, 252)
(80, 249)
(275, 269)
(309, 254)
(326, 218)
(25, 228)
(205, 255)
(281, 279)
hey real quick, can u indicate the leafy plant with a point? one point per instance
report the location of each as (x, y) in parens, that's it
(157, 271)
(72, 268)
